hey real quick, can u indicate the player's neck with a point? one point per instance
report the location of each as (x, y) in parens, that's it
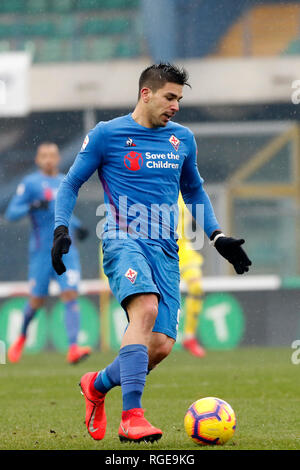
(141, 117)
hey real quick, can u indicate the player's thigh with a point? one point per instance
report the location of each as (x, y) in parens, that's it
(69, 280)
(39, 273)
(127, 269)
(166, 275)
(142, 309)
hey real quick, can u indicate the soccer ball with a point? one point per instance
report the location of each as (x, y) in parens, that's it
(210, 421)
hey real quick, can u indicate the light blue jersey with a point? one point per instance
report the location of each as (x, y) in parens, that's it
(142, 169)
(41, 187)
(37, 187)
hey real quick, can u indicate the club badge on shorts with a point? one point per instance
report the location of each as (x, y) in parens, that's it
(131, 274)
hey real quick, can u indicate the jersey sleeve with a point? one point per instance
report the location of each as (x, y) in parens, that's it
(88, 160)
(194, 194)
(19, 205)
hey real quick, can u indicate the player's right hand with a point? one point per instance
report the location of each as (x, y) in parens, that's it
(61, 245)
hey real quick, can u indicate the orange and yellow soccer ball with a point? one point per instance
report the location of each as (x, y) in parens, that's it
(210, 421)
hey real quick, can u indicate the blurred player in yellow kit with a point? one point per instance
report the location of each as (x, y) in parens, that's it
(190, 264)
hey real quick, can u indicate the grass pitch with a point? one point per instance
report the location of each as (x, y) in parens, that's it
(42, 408)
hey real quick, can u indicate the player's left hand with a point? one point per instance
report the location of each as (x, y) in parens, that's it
(230, 249)
(82, 233)
(61, 245)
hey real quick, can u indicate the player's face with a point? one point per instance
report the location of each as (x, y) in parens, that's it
(47, 158)
(164, 103)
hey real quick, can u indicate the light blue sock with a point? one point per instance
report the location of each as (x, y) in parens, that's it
(29, 313)
(72, 320)
(108, 377)
(133, 371)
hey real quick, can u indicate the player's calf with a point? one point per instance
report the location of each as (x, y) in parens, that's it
(159, 348)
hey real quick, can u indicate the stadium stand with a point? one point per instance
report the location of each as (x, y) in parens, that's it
(103, 30)
(97, 30)
(264, 30)
(68, 30)
(293, 48)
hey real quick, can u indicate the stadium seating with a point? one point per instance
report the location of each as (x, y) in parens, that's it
(4, 46)
(106, 4)
(66, 27)
(36, 6)
(96, 49)
(54, 50)
(293, 48)
(12, 6)
(69, 30)
(127, 49)
(264, 30)
(39, 28)
(61, 6)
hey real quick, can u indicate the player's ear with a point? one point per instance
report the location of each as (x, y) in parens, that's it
(145, 94)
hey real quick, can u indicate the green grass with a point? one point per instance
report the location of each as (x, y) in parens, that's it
(42, 408)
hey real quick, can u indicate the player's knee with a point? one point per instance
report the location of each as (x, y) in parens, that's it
(69, 295)
(165, 349)
(143, 309)
(149, 312)
(36, 302)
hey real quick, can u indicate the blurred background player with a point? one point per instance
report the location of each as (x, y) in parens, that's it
(35, 197)
(190, 264)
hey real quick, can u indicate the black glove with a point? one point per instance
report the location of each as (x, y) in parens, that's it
(43, 204)
(61, 245)
(82, 233)
(230, 249)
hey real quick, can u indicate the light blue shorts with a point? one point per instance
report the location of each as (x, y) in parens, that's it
(136, 267)
(41, 272)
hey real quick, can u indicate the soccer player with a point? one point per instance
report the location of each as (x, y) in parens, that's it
(190, 265)
(143, 159)
(35, 197)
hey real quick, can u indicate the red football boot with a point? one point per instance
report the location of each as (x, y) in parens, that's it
(95, 417)
(15, 350)
(135, 428)
(77, 353)
(192, 345)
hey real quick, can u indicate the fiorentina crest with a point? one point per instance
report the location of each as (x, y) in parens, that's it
(131, 275)
(174, 141)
